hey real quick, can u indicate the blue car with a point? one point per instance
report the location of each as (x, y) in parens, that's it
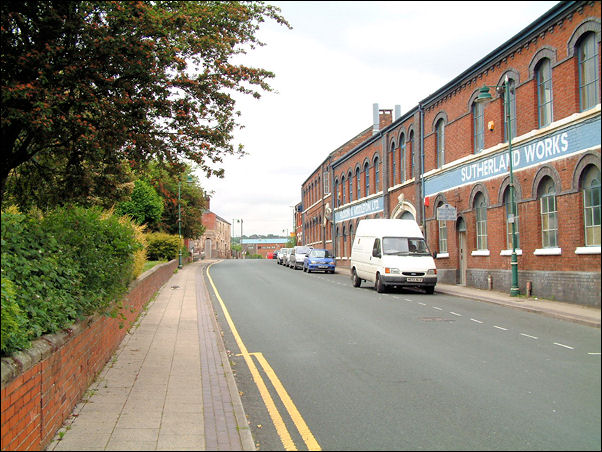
(319, 260)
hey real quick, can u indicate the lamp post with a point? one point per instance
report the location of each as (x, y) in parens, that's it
(485, 97)
(189, 181)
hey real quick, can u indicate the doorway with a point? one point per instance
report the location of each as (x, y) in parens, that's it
(462, 264)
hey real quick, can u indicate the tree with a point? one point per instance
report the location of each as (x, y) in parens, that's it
(145, 205)
(96, 81)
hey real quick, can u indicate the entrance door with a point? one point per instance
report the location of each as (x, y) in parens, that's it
(461, 228)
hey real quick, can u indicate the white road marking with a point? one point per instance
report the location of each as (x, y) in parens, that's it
(527, 335)
(455, 313)
(565, 346)
(475, 320)
(500, 328)
(439, 309)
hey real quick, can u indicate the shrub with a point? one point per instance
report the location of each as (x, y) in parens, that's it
(162, 246)
(60, 267)
(145, 205)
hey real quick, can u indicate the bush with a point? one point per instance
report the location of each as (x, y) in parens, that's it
(60, 267)
(162, 247)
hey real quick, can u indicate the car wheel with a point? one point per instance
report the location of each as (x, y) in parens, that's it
(308, 270)
(380, 287)
(354, 279)
(430, 290)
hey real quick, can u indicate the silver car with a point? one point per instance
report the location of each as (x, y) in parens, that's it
(286, 253)
(297, 256)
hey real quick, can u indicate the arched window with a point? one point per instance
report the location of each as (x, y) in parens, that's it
(393, 164)
(480, 207)
(588, 71)
(440, 141)
(367, 179)
(344, 243)
(343, 188)
(591, 206)
(549, 214)
(511, 213)
(543, 73)
(350, 181)
(512, 102)
(358, 183)
(411, 168)
(442, 234)
(337, 201)
(402, 158)
(376, 175)
(478, 127)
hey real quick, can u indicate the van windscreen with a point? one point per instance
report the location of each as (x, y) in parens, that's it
(403, 246)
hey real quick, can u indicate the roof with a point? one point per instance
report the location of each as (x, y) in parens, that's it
(263, 241)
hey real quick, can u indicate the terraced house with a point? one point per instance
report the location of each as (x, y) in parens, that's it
(511, 147)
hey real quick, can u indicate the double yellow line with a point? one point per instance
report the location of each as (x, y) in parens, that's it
(281, 429)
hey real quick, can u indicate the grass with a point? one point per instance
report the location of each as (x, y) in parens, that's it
(150, 264)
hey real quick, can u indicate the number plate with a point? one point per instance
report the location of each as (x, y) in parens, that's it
(323, 266)
(414, 280)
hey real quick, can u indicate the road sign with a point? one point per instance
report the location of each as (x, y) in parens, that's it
(446, 213)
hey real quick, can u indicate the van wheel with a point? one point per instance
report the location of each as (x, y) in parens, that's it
(355, 280)
(380, 287)
(430, 289)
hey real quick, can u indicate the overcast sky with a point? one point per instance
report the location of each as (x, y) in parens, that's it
(338, 60)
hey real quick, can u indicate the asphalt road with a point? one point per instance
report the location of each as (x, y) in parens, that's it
(402, 370)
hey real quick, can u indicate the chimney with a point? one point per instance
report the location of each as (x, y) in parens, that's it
(375, 119)
(386, 118)
(397, 112)
(207, 203)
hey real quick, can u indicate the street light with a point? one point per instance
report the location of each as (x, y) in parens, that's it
(189, 181)
(485, 97)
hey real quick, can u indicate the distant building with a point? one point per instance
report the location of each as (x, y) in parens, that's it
(215, 242)
(262, 246)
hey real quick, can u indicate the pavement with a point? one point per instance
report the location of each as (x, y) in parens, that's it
(170, 386)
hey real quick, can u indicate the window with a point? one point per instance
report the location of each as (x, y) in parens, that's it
(440, 142)
(512, 102)
(358, 182)
(442, 234)
(588, 71)
(549, 214)
(343, 188)
(543, 73)
(376, 175)
(326, 180)
(411, 154)
(337, 201)
(591, 206)
(402, 158)
(481, 217)
(478, 127)
(393, 164)
(511, 212)
(350, 180)
(367, 176)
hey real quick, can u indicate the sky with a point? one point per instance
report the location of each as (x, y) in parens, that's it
(339, 59)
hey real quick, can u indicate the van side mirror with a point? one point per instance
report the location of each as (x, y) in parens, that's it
(434, 254)
(375, 253)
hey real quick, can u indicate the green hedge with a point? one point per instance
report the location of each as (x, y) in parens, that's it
(162, 247)
(60, 267)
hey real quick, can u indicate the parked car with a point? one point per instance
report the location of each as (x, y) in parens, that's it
(319, 260)
(298, 253)
(286, 253)
(279, 255)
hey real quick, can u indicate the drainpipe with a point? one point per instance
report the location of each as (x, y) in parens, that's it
(422, 213)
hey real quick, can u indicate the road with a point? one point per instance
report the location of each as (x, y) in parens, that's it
(358, 370)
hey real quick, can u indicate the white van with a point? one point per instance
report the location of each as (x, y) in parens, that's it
(391, 252)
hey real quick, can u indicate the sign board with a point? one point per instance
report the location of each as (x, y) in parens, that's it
(446, 213)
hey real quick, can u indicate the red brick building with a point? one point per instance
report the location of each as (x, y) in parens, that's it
(215, 242)
(450, 150)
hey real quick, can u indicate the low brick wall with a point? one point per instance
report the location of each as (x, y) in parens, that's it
(41, 386)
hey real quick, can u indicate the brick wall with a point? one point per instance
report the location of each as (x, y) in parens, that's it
(41, 386)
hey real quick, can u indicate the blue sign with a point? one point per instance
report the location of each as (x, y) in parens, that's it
(365, 208)
(562, 143)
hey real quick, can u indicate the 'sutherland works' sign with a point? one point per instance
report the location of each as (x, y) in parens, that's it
(365, 208)
(567, 141)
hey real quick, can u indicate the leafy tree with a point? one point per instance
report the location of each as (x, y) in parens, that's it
(86, 82)
(145, 205)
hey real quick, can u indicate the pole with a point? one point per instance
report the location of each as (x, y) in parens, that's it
(179, 228)
(514, 290)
